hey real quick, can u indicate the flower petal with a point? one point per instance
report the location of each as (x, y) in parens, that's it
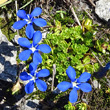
(32, 67)
(43, 73)
(41, 85)
(40, 22)
(73, 96)
(29, 87)
(63, 86)
(21, 14)
(19, 24)
(24, 76)
(107, 67)
(37, 37)
(71, 73)
(101, 73)
(36, 12)
(85, 87)
(37, 58)
(44, 48)
(84, 77)
(24, 55)
(24, 42)
(29, 31)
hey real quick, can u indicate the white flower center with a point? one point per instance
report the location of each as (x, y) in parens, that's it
(28, 20)
(33, 49)
(74, 84)
(33, 78)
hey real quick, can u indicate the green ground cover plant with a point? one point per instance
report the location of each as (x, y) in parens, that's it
(70, 46)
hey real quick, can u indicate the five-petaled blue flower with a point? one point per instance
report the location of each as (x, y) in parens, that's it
(33, 48)
(33, 77)
(76, 84)
(29, 20)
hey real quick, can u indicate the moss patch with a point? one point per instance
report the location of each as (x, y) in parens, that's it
(7, 31)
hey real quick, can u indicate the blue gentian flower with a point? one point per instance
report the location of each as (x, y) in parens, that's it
(33, 48)
(33, 78)
(102, 71)
(107, 67)
(29, 19)
(75, 84)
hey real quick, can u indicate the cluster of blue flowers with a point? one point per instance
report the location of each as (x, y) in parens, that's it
(34, 48)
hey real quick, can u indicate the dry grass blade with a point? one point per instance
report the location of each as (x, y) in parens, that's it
(2, 1)
(54, 72)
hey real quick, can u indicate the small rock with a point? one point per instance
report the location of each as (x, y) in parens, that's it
(56, 91)
(7, 108)
(3, 15)
(8, 53)
(15, 39)
(102, 9)
(32, 104)
(44, 35)
(96, 84)
(83, 6)
(49, 80)
(29, 105)
(108, 82)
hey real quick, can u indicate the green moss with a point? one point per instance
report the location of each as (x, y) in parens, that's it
(6, 29)
(48, 95)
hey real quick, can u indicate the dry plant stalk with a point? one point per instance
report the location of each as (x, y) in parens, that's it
(98, 59)
(16, 4)
(53, 77)
(92, 3)
(74, 14)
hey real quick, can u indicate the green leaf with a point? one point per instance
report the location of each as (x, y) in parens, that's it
(81, 106)
(89, 68)
(80, 66)
(86, 60)
(69, 106)
(88, 24)
(88, 39)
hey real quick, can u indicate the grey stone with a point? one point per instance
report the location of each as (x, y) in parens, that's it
(32, 104)
(8, 53)
(56, 91)
(3, 15)
(15, 39)
(83, 5)
(108, 82)
(29, 104)
(96, 84)
(44, 35)
(102, 9)
(7, 108)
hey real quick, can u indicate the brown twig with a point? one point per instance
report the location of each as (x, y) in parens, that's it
(54, 72)
(30, 8)
(16, 12)
(98, 59)
(88, 13)
(92, 3)
(72, 10)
